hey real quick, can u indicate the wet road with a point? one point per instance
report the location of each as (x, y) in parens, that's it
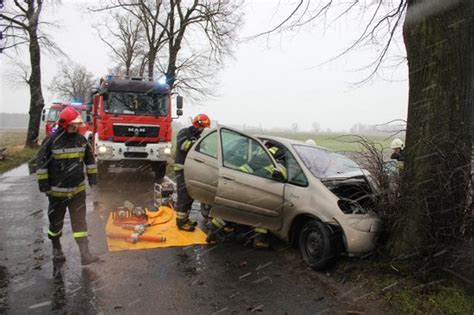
(227, 278)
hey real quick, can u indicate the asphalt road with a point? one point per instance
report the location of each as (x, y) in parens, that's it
(227, 278)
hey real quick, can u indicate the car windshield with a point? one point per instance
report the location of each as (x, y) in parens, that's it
(131, 103)
(324, 163)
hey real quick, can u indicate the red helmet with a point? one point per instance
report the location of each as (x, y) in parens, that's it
(69, 116)
(201, 120)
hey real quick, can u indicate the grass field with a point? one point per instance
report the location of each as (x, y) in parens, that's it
(335, 141)
(15, 154)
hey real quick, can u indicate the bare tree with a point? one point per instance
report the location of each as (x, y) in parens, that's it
(184, 34)
(439, 40)
(124, 37)
(72, 82)
(20, 24)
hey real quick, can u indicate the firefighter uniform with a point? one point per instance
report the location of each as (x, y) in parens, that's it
(60, 175)
(184, 141)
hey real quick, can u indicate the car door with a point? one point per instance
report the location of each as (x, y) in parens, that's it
(246, 191)
(200, 169)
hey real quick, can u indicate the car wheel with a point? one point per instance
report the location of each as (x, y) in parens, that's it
(316, 242)
(205, 209)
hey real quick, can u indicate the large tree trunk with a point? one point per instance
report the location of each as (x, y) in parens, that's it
(36, 93)
(435, 182)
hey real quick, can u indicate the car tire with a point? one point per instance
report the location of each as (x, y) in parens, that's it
(205, 209)
(317, 244)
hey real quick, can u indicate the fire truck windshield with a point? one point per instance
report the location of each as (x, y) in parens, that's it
(131, 103)
(53, 114)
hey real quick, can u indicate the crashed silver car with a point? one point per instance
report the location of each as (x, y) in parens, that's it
(321, 200)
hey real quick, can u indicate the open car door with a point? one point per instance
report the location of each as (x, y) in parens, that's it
(201, 169)
(247, 192)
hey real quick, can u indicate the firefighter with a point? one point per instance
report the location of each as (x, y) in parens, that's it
(397, 146)
(185, 139)
(60, 175)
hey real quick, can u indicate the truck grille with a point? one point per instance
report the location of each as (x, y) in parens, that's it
(136, 131)
(142, 155)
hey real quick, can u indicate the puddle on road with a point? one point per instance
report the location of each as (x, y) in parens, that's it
(20, 171)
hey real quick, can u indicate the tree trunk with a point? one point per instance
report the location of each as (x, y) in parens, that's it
(435, 181)
(151, 64)
(36, 93)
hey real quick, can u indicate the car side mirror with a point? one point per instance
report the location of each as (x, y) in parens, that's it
(278, 176)
(179, 112)
(179, 102)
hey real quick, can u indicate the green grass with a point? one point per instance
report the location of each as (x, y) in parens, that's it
(15, 154)
(406, 295)
(334, 141)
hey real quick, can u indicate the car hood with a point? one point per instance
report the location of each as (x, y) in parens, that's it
(346, 175)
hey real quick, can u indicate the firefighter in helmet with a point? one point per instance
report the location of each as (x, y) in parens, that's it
(185, 139)
(61, 160)
(397, 146)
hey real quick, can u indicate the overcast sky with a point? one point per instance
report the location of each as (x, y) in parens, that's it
(271, 82)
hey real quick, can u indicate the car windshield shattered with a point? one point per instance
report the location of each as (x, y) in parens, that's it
(323, 163)
(125, 103)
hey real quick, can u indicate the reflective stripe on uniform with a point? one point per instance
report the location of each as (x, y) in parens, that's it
(269, 169)
(91, 169)
(246, 168)
(218, 222)
(178, 167)
(42, 173)
(186, 145)
(66, 192)
(260, 230)
(42, 176)
(53, 234)
(79, 234)
(273, 150)
(181, 215)
(71, 153)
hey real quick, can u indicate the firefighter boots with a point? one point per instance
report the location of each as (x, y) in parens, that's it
(86, 257)
(58, 255)
(261, 239)
(218, 231)
(184, 223)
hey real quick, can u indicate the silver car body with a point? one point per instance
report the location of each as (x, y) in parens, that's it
(270, 203)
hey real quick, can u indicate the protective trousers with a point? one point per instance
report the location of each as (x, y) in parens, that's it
(77, 211)
(184, 202)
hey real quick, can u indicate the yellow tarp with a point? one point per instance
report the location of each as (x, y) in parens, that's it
(165, 225)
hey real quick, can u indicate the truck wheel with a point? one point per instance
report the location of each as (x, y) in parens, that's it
(102, 170)
(160, 170)
(317, 243)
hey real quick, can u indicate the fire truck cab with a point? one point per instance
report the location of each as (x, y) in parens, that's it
(50, 117)
(132, 124)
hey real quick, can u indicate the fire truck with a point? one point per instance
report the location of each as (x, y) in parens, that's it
(132, 124)
(50, 117)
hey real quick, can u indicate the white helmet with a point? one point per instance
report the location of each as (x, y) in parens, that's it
(310, 142)
(397, 143)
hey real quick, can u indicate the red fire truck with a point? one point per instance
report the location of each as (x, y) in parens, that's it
(132, 124)
(51, 115)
